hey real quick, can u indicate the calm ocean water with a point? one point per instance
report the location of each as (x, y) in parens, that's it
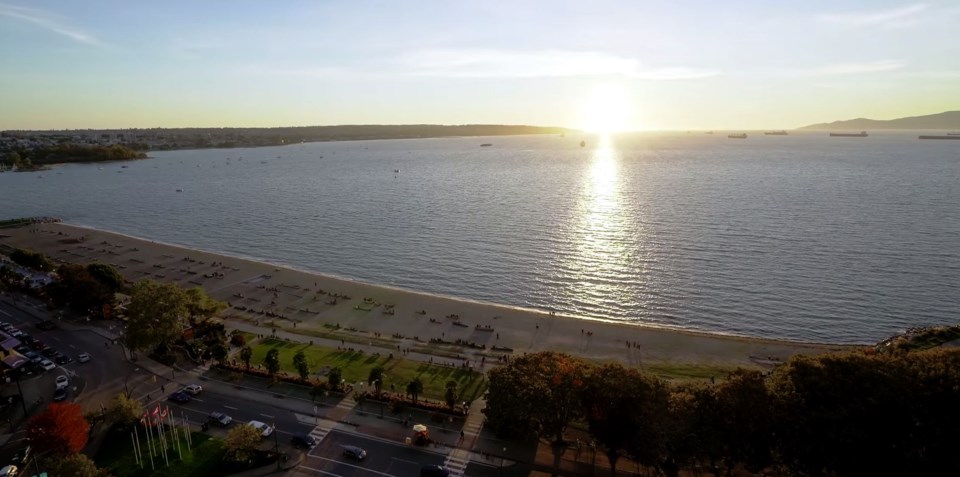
(802, 237)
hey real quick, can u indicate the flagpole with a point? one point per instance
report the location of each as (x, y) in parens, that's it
(146, 426)
(136, 433)
(134, 443)
(186, 426)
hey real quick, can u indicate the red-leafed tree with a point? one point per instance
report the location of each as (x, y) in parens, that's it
(60, 429)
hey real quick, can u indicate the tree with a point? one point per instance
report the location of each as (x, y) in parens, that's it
(334, 378)
(745, 419)
(154, 314)
(376, 378)
(219, 352)
(537, 392)
(31, 259)
(79, 290)
(272, 362)
(14, 159)
(201, 307)
(242, 443)
(623, 406)
(451, 394)
(246, 354)
(415, 388)
(107, 275)
(124, 410)
(300, 362)
(60, 429)
(73, 465)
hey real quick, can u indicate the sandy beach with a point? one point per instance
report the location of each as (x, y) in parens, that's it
(317, 305)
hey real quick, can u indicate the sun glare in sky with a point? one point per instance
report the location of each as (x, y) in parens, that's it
(607, 109)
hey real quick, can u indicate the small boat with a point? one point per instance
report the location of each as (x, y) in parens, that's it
(486, 144)
(179, 190)
(124, 167)
(862, 134)
(948, 136)
(737, 136)
(583, 143)
(395, 171)
(775, 133)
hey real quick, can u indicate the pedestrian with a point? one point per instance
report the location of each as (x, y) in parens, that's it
(461, 435)
(163, 388)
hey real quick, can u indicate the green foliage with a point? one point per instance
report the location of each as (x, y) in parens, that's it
(107, 275)
(272, 362)
(242, 442)
(154, 314)
(300, 362)
(30, 259)
(73, 465)
(335, 377)
(415, 388)
(376, 378)
(219, 351)
(246, 354)
(201, 307)
(77, 289)
(450, 395)
(124, 411)
(64, 153)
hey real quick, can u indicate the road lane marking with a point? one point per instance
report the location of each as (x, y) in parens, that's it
(267, 416)
(231, 407)
(404, 460)
(195, 399)
(5, 313)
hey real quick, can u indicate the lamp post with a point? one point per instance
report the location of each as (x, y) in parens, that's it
(125, 380)
(276, 444)
(378, 383)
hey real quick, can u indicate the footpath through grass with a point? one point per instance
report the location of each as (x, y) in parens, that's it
(355, 367)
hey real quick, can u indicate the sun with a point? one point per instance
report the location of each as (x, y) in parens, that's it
(606, 110)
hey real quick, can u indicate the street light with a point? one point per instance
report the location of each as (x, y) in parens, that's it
(379, 383)
(125, 380)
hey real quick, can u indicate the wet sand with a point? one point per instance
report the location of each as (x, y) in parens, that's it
(304, 302)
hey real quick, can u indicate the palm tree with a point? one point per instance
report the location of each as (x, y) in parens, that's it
(246, 354)
(376, 378)
(414, 388)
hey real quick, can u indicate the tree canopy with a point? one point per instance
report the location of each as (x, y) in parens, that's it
(272, 361)
(154, 314)
(300, 362)
(60, 429)
(242, 442)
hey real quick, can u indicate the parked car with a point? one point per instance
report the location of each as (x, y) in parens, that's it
(83, 357)
(434, 471)
(15, 332)
(47, 325)
(304, 441)
(220, 419)
(354, 452)
(33, 356)
(193, 389)
(62, 381)
(63, 359)
(60, 394)
(8, 471)
(180, 397)
(264, 429)
(48, 352)
(47, 364)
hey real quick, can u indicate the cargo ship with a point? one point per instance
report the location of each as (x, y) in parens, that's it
(775, 133)
(862, 134)
(737, 136)
(948, 136)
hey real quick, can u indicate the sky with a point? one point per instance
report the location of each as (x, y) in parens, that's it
(596, 65)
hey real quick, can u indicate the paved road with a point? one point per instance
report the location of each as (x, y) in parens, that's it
(384, 458)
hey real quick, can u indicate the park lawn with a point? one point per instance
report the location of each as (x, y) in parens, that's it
(355, 367)
(116, 455)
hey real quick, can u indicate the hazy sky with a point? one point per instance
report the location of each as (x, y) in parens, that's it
(628, 64)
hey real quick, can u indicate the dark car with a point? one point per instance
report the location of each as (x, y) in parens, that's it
(63, 359)
(220, 419)
(48, 352)
(434, 471)
(60, 394)
(304, 441)
(47, 325)
(180, 397)
(354, 452)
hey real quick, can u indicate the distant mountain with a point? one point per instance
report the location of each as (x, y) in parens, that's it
(948, 120)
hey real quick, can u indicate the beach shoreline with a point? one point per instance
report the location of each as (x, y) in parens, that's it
(314, 303)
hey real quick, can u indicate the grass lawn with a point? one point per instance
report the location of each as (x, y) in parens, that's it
(356, 367)
(687, 371)
(116, 455)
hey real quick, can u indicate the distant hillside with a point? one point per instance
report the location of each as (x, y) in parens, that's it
(948, 120)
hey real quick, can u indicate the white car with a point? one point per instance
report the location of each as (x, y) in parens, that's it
(62, 381)
(264, 429)
(15, 332)
(47, 364)
(193, 389)
(83, 357)
(8, 471)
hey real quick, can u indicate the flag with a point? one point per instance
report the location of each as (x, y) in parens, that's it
(157, 410)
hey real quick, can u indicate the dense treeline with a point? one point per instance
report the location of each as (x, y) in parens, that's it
(30, 259)
(858, 413)
(63, 153)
